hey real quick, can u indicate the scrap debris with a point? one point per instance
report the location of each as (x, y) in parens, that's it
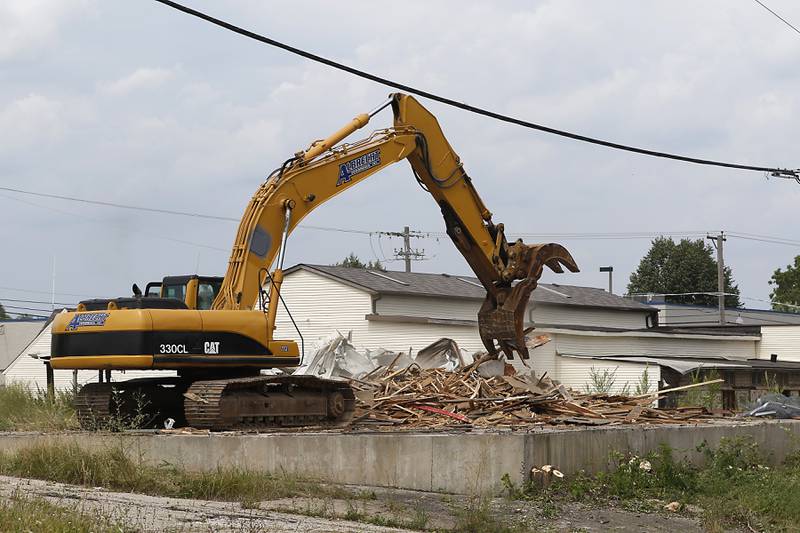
(442, 386)
(418, 398)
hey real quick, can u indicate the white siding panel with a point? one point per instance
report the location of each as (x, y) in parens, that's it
(586, 316)
(781, 340)
(596, 345)
(400, 337)
(538, 313)
(321, 307)
(575, 373)
(422, 306)
(31, 372)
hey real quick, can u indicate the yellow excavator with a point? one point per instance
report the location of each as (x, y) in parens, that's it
(217, 333)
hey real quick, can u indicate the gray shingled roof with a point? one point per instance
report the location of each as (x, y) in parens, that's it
(447, 285)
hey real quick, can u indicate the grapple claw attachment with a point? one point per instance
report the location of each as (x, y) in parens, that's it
(501, 319)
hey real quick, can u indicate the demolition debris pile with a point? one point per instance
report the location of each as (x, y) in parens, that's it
(439, 389)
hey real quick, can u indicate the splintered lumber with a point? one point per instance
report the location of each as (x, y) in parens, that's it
(417, 398)
(676, 389)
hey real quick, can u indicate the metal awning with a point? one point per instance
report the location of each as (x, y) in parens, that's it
(682, 365)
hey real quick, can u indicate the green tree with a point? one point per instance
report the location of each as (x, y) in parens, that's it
(352, 261)
(687, 266)
(786, 285)
(3, 314)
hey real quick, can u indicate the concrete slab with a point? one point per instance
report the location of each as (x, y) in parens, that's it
(454, 462)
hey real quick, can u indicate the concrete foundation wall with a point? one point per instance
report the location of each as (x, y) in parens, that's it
(461, 463)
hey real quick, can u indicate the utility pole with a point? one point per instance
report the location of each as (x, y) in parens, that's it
(718, 240)
(407, 248)
(406, 253)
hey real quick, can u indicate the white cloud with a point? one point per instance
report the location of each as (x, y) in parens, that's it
(29, 121)
(32, 25)
(141, 78)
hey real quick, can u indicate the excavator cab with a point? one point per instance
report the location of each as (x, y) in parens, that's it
(173, 292)
(197, 292)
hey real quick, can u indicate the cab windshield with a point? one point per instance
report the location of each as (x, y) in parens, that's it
(206, 292)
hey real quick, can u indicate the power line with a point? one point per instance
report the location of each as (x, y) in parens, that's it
(84, 218)
(650, 294)
(776, 172)
(765, 238)
(120, 206)
(47, 292)
(423, 234)
(34, 302)
(26, 308)
(160, 211)
(778, 16)
(25, 314)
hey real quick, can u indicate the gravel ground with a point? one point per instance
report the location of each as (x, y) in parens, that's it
(153, 513)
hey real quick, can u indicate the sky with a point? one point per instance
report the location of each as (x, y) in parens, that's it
(135, 103)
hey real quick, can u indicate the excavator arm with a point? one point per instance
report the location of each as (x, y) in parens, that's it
(508, 271)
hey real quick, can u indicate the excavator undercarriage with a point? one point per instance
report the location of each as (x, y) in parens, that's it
(243, 403)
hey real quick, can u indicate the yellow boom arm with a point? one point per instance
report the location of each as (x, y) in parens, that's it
(325, 170)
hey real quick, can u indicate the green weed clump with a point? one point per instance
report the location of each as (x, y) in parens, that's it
(735, 486)
(113, 469)
(37, 514)
(478, 517)
(24, 410)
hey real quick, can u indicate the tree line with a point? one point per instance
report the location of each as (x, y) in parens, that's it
(683, 269)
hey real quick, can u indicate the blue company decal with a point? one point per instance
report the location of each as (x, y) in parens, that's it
(87, 319)
(357, 166)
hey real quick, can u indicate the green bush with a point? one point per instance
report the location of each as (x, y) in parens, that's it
(735, 487)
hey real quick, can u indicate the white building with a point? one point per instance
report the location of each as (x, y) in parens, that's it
(589, 328)
(398, 310)
(672, 314)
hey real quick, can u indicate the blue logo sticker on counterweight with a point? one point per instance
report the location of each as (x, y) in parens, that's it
(87, 319)
(357, 166)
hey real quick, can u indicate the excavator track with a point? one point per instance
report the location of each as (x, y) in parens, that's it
(136, 403)
(262, 402)
(93, 405)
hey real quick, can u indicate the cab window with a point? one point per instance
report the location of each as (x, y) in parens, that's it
(175, 291)
(206, 292)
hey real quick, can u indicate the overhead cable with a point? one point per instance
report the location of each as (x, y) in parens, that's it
(34, 302)
(564, 236)
(120, 206)
(166, 212)
(778, 16)
(773, 171)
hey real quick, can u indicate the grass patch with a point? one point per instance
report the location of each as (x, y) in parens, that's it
(112, 469)
(478, 517)
(418, 521)
(24, 410)
(37, 514)
(734, 488)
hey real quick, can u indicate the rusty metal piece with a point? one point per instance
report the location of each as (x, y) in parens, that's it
(502, 315)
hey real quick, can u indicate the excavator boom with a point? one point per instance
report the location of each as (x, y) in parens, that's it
(508, 271)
